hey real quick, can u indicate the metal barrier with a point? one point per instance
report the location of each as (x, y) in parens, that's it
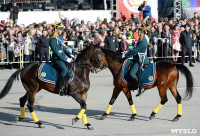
(21, 61)
(32, 1)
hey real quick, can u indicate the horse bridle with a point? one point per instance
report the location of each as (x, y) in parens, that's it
(94, 66)
(99, 61)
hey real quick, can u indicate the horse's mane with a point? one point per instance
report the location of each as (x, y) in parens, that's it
(82, 53)
(114, 55)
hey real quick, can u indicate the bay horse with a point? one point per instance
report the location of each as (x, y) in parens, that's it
(89, 58)
(167, 76)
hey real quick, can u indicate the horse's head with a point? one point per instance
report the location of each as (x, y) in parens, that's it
(98, 60)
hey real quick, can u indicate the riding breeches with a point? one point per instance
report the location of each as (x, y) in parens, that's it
(60, 67)
(134, 70)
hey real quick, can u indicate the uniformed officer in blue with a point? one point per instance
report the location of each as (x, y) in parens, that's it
(141, 47)
(60, 56)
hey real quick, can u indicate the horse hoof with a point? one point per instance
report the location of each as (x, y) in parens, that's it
(175, 119)
(103, 117)
(89, 126)
(18, 119)
(74, 120)
(132, 118)
(151, 117)
(40, 125)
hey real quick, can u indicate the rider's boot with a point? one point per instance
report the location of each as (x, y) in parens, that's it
(60, 85)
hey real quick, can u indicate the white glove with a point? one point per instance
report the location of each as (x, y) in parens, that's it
(72, 56)
(69, 60)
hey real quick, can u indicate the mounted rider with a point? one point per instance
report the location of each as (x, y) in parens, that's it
(141, 47)
(60, 58)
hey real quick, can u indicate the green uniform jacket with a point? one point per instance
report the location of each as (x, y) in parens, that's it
(59, 53)
(141, 47)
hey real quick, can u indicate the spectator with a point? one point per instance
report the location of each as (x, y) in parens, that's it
(134, 18)
(176, 43)
(111, 42)
(87, 38)
(97, 39)
(29, 46)
(92, 31)
(146, 10)
(43, 44)
(152, 48)
(10, 42)
(123, 45)
(14, 12)
(186, 40)
(167, 37)
(196, 16)
(195, 47)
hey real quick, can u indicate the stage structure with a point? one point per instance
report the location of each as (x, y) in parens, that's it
(177, 9)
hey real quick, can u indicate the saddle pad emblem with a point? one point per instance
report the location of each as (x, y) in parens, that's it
(151, 78)
(43, 74)
(48, 74)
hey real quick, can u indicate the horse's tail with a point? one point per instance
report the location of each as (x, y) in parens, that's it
(9, 83)
(189, 80)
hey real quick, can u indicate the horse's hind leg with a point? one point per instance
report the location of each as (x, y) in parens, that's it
(22, 101)
(163, 96)
(130, 101)
(32, 91)
(177, 96)
(115, 94)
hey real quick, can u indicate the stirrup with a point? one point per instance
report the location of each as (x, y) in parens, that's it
(140, 92)
(61, 92)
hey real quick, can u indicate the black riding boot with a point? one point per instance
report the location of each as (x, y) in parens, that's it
(60, 85)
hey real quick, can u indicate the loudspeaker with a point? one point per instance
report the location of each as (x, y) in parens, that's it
(98, 4)
(4, 7)
(27, 7)
(49, 6)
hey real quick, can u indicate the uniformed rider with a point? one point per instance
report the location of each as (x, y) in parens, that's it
(141, 47)
(60, 57)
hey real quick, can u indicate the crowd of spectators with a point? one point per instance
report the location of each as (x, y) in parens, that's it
(32, 41)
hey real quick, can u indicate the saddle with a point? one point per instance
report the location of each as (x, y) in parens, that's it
(47, 73)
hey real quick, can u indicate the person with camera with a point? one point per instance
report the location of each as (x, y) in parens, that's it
(146, 9)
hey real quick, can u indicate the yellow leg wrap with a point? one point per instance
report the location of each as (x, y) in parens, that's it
(84, 119)
(81, 113)
(108, 109)
(157, 108)
(22, 109)
(179, 109)
(133, 109)
(35, 119)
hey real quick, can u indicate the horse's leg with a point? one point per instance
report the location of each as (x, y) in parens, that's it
(177, 96)
(115, 94)
(82, 113)
(163, 96)
(22, 101)
(31, 99)
(130, 101)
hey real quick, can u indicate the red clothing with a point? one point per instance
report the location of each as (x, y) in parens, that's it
(176, 35)
(2, 25)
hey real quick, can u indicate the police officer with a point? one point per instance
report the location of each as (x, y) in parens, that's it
(186, 40)
(141, 47)
(60, 57)
(111, 42)
(43, 44)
